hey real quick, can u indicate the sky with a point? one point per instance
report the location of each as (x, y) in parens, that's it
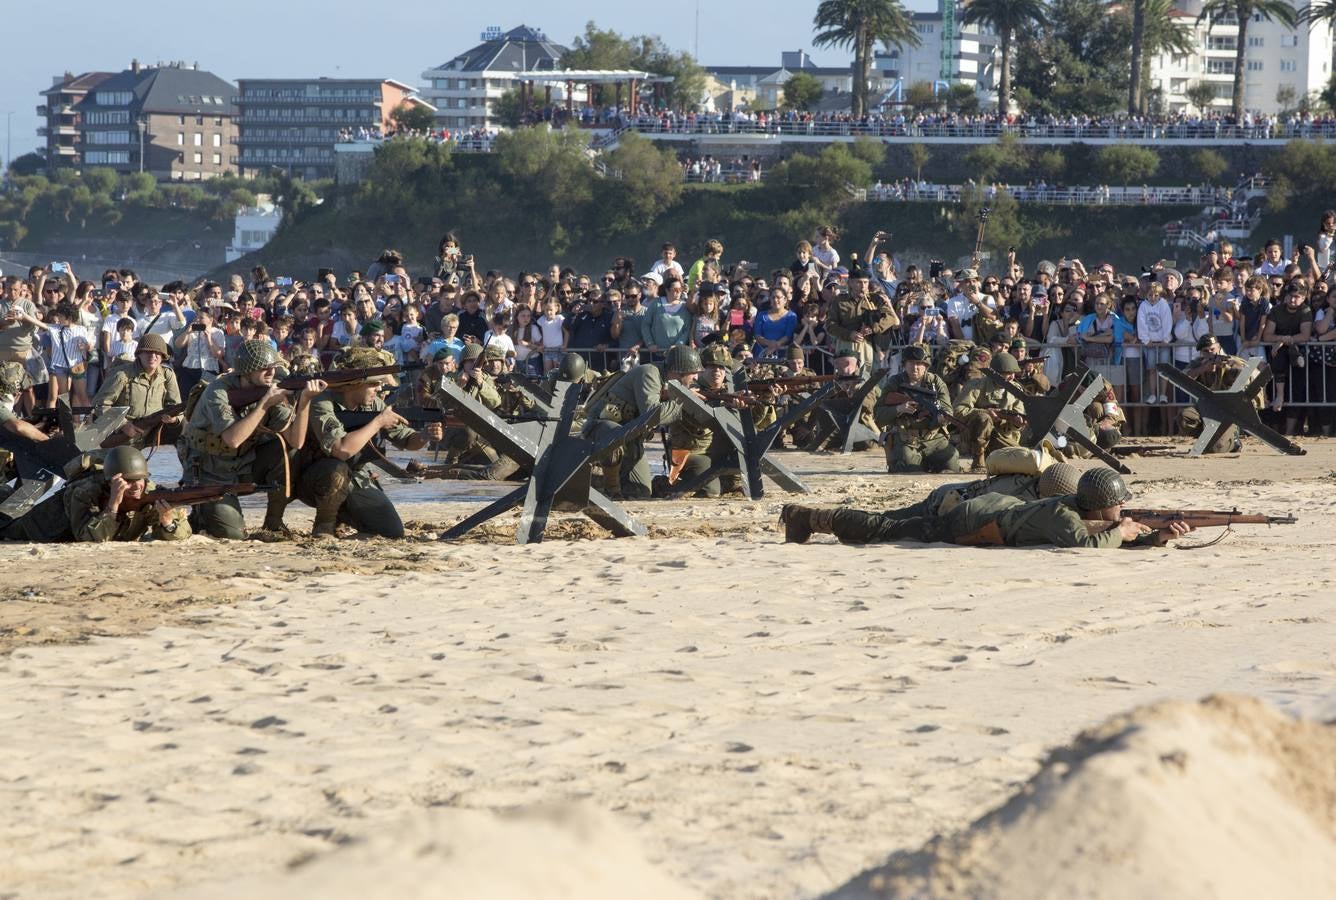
(340, 38)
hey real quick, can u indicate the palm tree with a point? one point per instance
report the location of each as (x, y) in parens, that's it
(1319, 12)
(862, 24)
(1005, 18)
(1161, 31)
(1243, 11)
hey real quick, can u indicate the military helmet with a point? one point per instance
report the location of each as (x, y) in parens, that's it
(153, 343)
(472, 353)
(1100, 488)
(494, 350)
(796, 352)
(683, 359)
(715, 355)
(914, 353)
(573, 367)
(1004, 362)
(255, 356)
(1059, 480)
(125, 461)
(365, 358)
(11, 378)
(304, 364)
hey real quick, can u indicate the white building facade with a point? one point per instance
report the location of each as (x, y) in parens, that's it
(1282, 65)
(948, 53)
(464, 89)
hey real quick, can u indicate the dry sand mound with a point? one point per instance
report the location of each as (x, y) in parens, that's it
(1224, 798)
(557, 852)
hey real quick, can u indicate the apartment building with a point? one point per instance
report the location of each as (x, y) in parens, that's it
(464, 89)
(762, 87)
(294, 123)
(173, 121)
(1282, 65)
(61, 138)
(948, 53)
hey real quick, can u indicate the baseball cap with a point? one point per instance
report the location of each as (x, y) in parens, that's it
(652, 276)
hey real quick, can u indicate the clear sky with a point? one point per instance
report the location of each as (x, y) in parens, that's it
(400, 39)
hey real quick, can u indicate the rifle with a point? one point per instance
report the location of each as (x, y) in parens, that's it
(929, 404)
(799, 381)
(1203, 518)
(245, 396)
(1016, 417)
(193, 495)
(984, 212)
(147, 424)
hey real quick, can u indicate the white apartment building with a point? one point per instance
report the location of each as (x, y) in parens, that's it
(948, 53)
(463, 88)
(1276, 57)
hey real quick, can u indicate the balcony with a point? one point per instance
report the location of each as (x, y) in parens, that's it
(285, 141)
(65, 150)
(66, 128)
(307, 101)
(41, 110)
(43, 131)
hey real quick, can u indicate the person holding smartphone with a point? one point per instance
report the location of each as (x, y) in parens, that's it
(202, 345)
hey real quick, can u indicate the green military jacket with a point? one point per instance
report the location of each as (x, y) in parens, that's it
(205, 458)
(325, 429)
(1221, 377)
(1056, 521)
(129, 385)
(483, 390)
(907, 427)
(1023, 487)
(984, 393)
(639, 391)
(848, 315)
(84, 500)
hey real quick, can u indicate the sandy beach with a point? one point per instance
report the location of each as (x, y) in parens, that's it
(702, 712)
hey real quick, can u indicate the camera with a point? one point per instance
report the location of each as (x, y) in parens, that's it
(196, 326)
(935, 267)
(391, 279)
(111, 286)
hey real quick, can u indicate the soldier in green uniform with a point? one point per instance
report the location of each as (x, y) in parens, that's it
(993, 418)
(89, 507)
(857, 317)
(690, 440)
(442, 366)
(626, 469)
(840, 402)
(146, 386)
(574, 370)
(221, 444)
(1217, 371)
(335, 477)
(957, 374)
(1032, 379)
(12, 377)
(1058, 479)
(996, 519)
(916, 443)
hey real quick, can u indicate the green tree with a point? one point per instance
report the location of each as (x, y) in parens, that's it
(1242, 12)
(1156, 29)
(1006, 18)
(1286, 94)
(12, 233)
(1328, 95)
(27, 164)
(1200, 94)
(1208, 163)
(988, 161)
(801, 91)
(507, 108)
(606, 49)
(860, 25)
(413, 117)
(648, 181)
(1309, 166)
(1004, 223)
(921, 97)
(1126, 163)
(819, 184)
(1052, 163)
(962, 98)
(1075, 63)
(918, 158)
(99, 180)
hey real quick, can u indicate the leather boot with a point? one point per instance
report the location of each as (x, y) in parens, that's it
(801, 522)
(612, 480)
(980, 463)
(273, 512)
(329, 501)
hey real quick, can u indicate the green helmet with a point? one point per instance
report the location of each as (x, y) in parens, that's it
(254, 356)
(472, 353)
(914, 353)
(153, 343)
(1101, 488)
(11, 377)
(1004, 362)
(1059, 480)
(573, 367)
(683, 359)
(494, 350)
(126, 461)
(715, 355)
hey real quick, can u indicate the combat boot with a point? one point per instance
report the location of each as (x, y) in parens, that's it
(801, 522)
(273, 513)
(329, 500)
(612, 480)
(980, 463)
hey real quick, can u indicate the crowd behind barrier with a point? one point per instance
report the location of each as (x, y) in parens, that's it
(70, 330)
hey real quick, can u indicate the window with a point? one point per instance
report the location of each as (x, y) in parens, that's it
(925, 29)
(114, 98)
(1177, 85)
(1219, 67)
(1256, 41)
(198, 139)
(217, 140)
(111, 117)
(107, 137)
(199, 158)
(462, 104)
(180, 120)
(1254, 65)
(107, 157)
(180, 139)
(1289, 40)
(1222, 42)
(199, 120)
(218, 159)
(218, 120)
(1288, 65)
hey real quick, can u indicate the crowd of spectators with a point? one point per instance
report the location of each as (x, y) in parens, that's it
(69, 331)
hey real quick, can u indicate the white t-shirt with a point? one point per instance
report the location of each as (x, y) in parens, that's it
(1186, 334)
(1270, 268)
(1155, 322)
(164, 325)
(553, 337)
(502, 340)
(123, 351)
(662, 268)
(69, 345)
(830, 258)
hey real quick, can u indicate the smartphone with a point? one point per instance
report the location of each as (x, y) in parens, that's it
(283, 282)
(111, 285)
(59, 268)
(736, 317)
(935, 268)
(391, 279)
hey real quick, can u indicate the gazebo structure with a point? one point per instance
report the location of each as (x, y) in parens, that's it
(623, 81)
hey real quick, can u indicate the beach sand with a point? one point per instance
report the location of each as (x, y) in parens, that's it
(706, 711)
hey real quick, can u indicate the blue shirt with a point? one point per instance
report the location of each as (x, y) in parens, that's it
(1118, 325)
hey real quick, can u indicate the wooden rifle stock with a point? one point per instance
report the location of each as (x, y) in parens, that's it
(1203, 518)
(245, 396)
(146, 423)
(193, 495)
(799, 381)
